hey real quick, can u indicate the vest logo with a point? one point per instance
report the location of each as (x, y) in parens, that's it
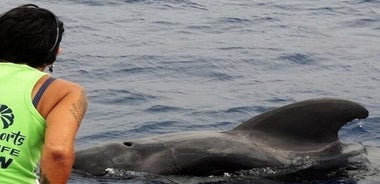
(6, 116)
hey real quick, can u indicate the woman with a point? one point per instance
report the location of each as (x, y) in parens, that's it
(40, 115)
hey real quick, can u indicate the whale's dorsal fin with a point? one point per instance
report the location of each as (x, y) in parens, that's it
(312, 121)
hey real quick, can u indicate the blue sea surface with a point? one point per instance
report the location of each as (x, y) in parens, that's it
(160, 66)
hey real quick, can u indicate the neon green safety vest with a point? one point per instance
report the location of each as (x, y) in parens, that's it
(22, 128)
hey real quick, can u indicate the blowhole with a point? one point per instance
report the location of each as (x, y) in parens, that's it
(129, 144)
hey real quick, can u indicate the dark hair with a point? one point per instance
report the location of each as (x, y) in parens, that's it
(30, 35)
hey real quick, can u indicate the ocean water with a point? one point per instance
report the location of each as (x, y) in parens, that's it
(161, 66)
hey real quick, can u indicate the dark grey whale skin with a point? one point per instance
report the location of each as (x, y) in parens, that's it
(272, 139)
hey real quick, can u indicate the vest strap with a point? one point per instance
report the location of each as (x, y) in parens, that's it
(41, 91)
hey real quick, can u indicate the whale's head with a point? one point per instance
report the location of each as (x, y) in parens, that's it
(97, 160)
(143, 155)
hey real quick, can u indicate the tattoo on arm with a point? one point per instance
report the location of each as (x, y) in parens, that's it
(78, 108)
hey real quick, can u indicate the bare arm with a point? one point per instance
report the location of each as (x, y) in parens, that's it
(62, 123)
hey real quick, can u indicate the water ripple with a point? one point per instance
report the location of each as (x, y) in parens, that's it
(116, 96)
(298, 58)
(155, 127)
(364, 22)
(163, 108)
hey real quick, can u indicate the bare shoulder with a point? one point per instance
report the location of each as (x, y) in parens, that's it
(62, 88)
(71, 90)
(63, 93)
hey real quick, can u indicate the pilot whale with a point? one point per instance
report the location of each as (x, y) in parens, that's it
(272, 139)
